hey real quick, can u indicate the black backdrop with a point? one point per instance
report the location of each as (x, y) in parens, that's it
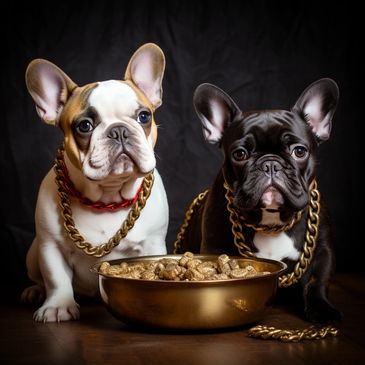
(262, 53)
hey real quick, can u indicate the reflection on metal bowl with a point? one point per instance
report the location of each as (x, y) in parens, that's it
(191, 304)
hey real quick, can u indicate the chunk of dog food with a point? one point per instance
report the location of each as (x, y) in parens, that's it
(187, 268)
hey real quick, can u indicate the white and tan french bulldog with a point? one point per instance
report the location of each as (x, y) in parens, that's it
(109, 138)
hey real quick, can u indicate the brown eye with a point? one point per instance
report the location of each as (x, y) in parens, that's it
(85, 126)
(239, 154)
(299, 152)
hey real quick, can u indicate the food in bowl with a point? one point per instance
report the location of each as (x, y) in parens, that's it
(186, 268)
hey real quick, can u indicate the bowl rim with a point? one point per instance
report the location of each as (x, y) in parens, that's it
(95, 269)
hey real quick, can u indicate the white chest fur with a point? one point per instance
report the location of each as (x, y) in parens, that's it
(275, 246)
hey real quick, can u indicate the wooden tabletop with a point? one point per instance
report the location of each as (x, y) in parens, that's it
(99, 338)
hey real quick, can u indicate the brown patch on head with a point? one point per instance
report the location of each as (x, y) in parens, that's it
(76, 105)
(154, 134)
(144, 101)
(88, 117)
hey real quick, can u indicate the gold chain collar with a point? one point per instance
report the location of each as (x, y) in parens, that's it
(69, 224)
(309, 241)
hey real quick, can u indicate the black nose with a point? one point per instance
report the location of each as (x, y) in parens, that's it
(119, 134)
(271, 167)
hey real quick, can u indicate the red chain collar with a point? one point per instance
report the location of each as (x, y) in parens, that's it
(98, 205)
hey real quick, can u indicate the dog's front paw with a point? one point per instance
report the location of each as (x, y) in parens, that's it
(321, 311)
(33, 294)
(57, 313)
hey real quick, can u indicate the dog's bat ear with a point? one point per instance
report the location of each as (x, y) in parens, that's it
(215, 109)
(146, 69)
(49, 87)
(317, 105)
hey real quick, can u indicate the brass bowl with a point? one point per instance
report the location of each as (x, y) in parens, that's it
(190, 304)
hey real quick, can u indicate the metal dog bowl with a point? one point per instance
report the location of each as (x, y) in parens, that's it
(191, 304)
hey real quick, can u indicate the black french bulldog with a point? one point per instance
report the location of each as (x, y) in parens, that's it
(269, 164)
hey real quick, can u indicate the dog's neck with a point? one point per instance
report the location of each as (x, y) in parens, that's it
(113, 189)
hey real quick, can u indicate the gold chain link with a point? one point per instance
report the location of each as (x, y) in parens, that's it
(234, 217)
(69, 224)
(180, 236)
(310, 333)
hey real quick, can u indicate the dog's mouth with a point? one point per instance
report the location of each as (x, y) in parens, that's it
(122, 163)
(99, 168)
(270, 210)
(272, 199)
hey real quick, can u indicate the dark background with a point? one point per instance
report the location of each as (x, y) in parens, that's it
(262, 53)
